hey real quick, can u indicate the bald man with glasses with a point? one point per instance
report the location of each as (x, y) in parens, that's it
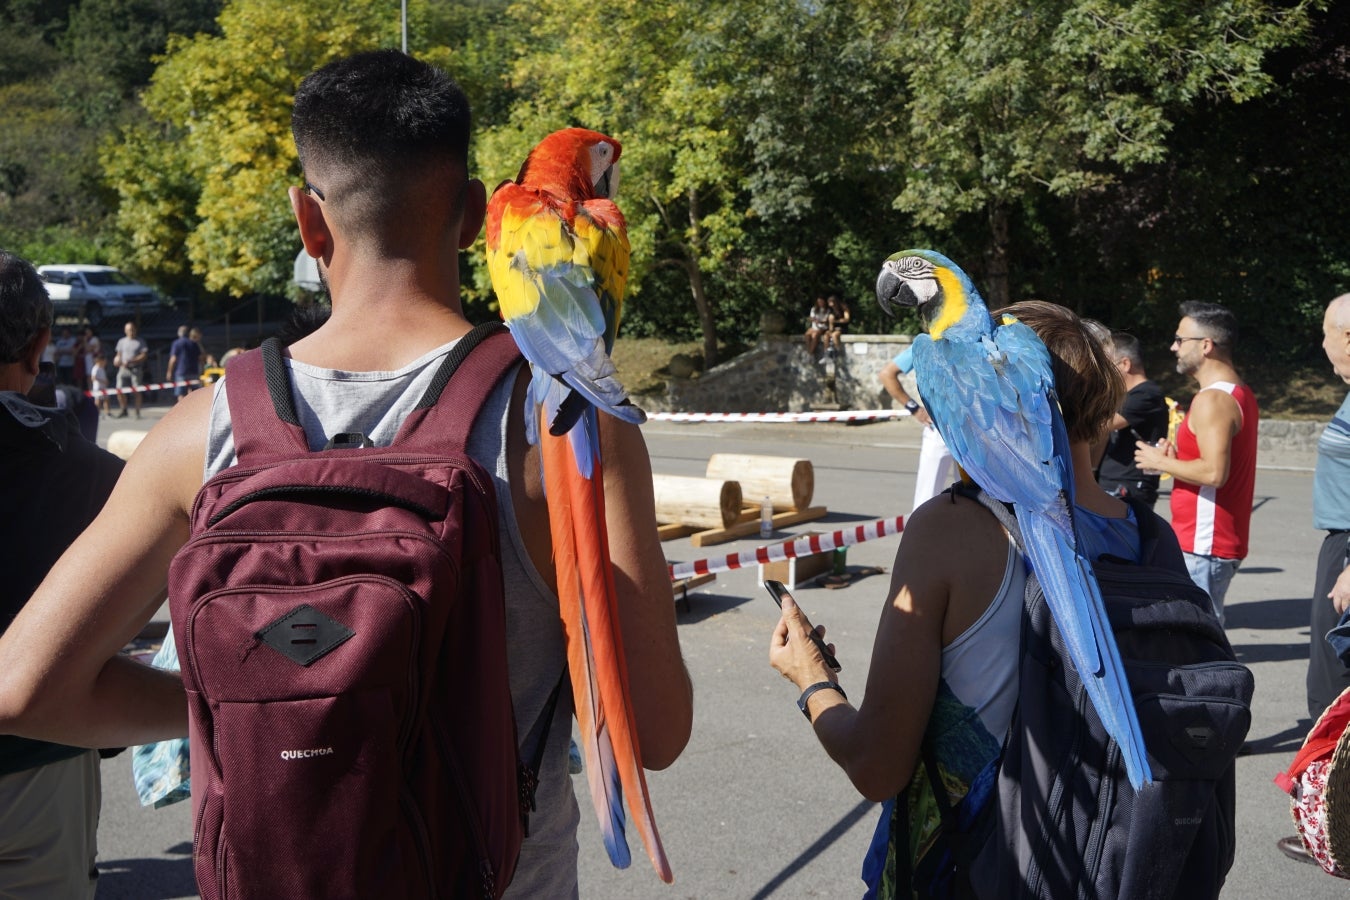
(1213, 463)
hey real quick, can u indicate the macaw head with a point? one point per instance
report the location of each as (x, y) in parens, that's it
(934, 285)
(575, 163)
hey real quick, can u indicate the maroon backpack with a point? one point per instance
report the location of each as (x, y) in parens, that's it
(342, 629)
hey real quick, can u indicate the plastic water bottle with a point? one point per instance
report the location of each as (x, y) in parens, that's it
(1159, 444)
(766, 518)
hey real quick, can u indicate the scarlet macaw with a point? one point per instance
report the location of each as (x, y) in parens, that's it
(557, 253)
(990, 390)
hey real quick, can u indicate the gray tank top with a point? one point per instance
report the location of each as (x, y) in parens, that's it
(328, 402)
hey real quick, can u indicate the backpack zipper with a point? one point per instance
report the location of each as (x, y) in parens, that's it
(421, 839)
(487, 876)
(1055, 805)
(1106, 794)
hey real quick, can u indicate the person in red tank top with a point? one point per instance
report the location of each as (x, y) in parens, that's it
(1213, 462)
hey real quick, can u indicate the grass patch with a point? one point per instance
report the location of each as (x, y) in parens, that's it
(643, 362)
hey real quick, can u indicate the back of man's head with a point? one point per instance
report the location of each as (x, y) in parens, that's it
(367, 127)
(1127, 346)
(1217, 321)
(25, 309)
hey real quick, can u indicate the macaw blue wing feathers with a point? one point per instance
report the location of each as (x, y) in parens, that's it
(991, 393)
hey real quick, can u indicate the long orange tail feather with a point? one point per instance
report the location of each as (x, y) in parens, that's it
(596, 658)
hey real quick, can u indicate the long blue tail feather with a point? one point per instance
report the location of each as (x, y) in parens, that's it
(1076, 603)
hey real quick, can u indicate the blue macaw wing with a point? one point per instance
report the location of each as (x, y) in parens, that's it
(990, 404)
(993, 400)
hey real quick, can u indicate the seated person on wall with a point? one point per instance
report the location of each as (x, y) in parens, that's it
(840, 317)
(817, 326)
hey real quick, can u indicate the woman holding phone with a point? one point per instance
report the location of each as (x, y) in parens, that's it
(945, 656)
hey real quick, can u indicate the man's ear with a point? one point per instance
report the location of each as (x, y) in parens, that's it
(475, 209)
(32, 354)
(313, 226)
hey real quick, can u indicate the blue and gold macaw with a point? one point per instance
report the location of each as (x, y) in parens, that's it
(991, 393)
(557, 253)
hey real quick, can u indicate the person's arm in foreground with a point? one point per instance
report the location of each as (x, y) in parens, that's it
(661, 690)
(877, 743)
(1214, 418)
(65, 679)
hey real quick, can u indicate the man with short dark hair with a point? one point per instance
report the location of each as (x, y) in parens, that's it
(1141, 417)
(1214, 461)
(387, 205)
(53, 483)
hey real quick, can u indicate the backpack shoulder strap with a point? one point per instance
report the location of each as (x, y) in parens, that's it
(1002, 511)
(262, 429)
(479, 362)
(1157, 541)
(266, 429)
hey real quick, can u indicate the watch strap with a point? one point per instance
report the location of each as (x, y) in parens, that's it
(818, 686)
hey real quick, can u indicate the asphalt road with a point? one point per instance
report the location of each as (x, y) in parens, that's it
(754, 808)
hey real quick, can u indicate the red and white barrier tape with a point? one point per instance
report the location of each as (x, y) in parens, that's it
(850, 415)
(804, 546)
(108, 392)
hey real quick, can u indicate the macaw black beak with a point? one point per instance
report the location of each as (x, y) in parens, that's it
(892, 290)
(603, 187)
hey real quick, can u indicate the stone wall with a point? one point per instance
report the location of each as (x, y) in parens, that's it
(1278, 434)
(778, 376)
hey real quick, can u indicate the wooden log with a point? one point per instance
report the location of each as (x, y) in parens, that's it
(674, 530)
(704, 502)
(124, 443)
(787, 482)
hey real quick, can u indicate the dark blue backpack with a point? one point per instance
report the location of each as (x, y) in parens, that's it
(1063, 821)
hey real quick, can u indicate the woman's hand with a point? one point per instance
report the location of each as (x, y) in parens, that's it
(791, 650)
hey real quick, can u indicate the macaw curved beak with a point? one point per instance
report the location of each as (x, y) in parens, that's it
(892, 290)
(607, 186)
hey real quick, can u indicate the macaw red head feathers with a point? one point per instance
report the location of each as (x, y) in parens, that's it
(574, 163)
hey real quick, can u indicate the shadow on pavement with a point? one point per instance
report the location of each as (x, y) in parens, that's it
(705, 606)
(1288, 613)
(148, 879)
(840, 518)
(1263, 653)
(840, 828)
(1287, 741)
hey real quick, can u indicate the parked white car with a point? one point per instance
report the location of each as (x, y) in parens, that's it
(98, 293)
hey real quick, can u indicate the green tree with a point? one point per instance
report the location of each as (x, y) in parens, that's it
(644, 73)
(1010, 101)
(110, 47)
(743, 142)
(220, 139)
(68, 74)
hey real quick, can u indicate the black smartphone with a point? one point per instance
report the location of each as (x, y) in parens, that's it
(777, 590)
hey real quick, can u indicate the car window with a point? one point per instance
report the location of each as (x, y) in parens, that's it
(102, 278)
